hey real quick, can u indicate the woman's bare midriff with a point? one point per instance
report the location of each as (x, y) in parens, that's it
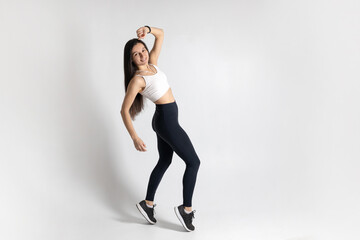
(168, 97)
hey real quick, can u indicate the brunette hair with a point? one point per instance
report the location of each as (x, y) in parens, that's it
(129, 71)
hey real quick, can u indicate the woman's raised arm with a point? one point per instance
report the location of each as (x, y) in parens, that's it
(159, 38)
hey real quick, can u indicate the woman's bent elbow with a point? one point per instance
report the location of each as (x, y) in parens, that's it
(123, 112)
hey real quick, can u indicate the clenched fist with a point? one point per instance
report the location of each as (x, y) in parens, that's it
(141, 32)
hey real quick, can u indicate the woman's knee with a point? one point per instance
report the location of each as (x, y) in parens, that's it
(165, 161)
(195, 163)
(198, 162)
(166, 158)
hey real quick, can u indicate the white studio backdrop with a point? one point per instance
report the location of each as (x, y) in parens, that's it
(268, 92)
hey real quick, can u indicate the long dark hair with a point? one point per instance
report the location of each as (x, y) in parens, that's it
(129, 71)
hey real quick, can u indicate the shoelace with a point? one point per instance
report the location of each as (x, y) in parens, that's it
(193, 213)
(190, 216)
(153, 208)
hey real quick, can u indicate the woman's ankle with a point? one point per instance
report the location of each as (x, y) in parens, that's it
(189, 209)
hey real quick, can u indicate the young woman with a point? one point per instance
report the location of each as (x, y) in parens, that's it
(143, 78)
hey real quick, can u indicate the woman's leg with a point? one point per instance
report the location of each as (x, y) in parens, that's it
(166, 125)
(180, 142)
(165, 157)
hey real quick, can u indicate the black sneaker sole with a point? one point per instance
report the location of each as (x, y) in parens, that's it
(141, 210)
(181, 219)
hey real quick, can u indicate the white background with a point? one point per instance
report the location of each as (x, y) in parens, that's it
(268, 92)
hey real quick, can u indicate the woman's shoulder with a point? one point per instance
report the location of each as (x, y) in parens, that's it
(137, 79)
(137, 82)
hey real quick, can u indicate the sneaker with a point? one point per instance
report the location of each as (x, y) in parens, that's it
(185, 219)
(146, 211)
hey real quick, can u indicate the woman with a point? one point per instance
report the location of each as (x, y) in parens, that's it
(144, 78)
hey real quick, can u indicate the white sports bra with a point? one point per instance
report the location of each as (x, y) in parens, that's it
(156, 85)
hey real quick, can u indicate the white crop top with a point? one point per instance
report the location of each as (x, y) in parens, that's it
(156, 85)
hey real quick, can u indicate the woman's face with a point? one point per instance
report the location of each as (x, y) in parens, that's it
(140, 55)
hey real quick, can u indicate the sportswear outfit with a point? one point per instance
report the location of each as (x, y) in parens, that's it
(171, 138)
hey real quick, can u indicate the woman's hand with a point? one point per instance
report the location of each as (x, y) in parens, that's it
(139, 144)
(141, 32)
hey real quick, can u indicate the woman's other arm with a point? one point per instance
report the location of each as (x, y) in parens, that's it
(133, 89)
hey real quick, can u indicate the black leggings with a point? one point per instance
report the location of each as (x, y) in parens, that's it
(171, 137)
